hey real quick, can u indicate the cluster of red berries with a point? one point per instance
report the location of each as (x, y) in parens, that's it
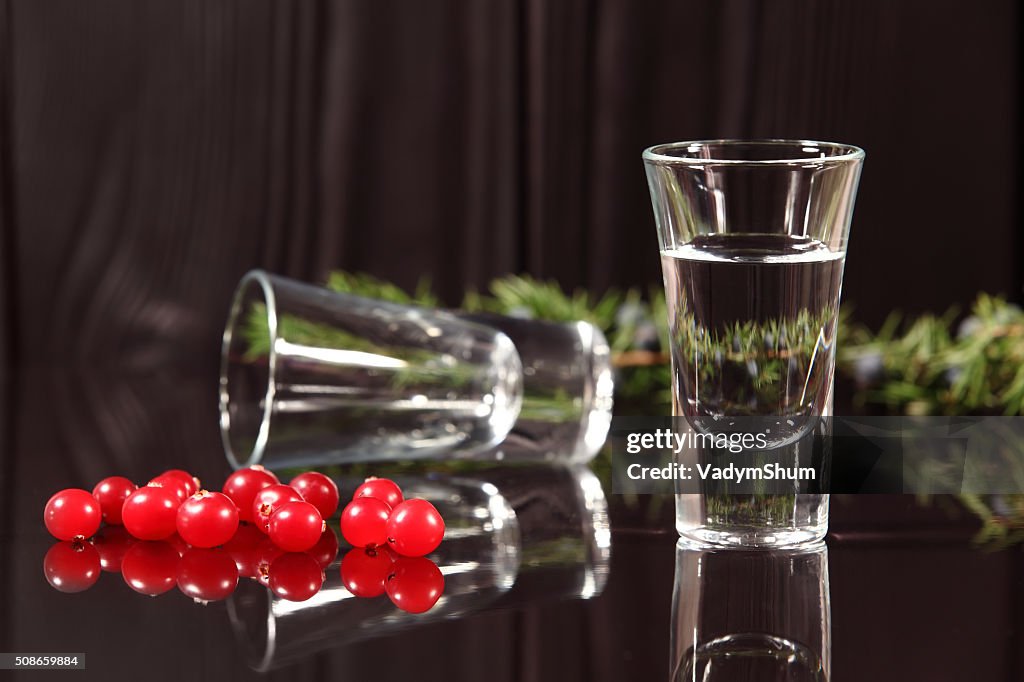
(262, 529)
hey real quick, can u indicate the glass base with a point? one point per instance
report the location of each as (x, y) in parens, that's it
(753, 537)
(769, 521)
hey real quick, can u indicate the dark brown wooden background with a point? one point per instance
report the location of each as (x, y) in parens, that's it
(153, 151)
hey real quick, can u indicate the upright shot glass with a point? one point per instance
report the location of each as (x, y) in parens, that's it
(753, 241)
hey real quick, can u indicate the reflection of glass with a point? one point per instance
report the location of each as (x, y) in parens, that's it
(753, 241)
(313, 376)
(742, 616)
(513, 534)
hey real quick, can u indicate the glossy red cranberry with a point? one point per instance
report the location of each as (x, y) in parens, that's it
(151, 513)
(207, 574)
(364, 571)
(72, 514)
(296, 526)
(242, 486)
(207, 519)
(295, 576)
(150, 568)
(319, 490)
(364, 522)
(269, 500)
(415, 528)
(72, 566)
(111, 493)
(415, 584)
(192, 484)
(383, 489)
(172, 483)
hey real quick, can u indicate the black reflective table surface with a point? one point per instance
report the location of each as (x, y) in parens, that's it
(592, 586)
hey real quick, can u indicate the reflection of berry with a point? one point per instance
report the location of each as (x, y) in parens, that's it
(192, 485)
(207, 574)
(325, 551)
(270, 499)
(150, 513)
(364, 522)
(111, 493)
(363, 571)
(319, 490)
(207, 519)
(72, 566)
(243, 485)
(415, 584)
(72, 513)
(266, 554)
(177, 544)
(244, 548)
(295, 576)
(415, 528)
(383, 489)
(295, 526)
(150, 568)
(112, 543)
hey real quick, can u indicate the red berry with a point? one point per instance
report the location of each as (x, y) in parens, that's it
(207, 519)
(269, 500)
(150, 568)
(192, 483)
(244, 549)
(151, 513)
(72, 566)
(72, 513)
(415, 528)
(415, 584)
(207, 574)
(296, 527)
(112, 543)
(364, 522)
(325, 551)
(295, 576)
(243, 485)
(364, 571)
(319, 490)
(174, 484)
(383, 489)
(111, 493)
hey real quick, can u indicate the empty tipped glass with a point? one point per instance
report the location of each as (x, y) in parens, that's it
(753, 242)
(310, 376)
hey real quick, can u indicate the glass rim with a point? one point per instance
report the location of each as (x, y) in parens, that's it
(262, 279)
(844, 153)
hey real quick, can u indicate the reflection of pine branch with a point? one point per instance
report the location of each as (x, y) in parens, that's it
(1000, 529)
